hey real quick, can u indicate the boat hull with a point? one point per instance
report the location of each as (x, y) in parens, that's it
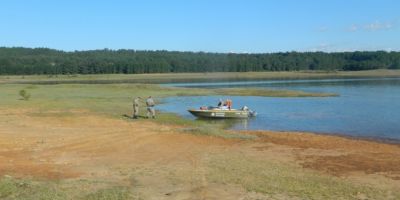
(220, 113)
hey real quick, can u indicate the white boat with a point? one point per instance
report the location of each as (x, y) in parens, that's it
(222, 112)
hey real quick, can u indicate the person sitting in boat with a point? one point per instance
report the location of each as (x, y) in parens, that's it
(228, 103)
(220, 103)
(203, 108)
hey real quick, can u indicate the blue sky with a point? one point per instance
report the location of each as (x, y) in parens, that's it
(202, 25)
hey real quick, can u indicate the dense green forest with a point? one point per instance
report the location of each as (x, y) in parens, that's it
(15, 61)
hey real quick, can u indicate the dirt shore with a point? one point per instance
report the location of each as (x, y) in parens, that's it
(166, 162)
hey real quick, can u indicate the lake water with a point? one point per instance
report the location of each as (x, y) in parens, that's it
(365, 108)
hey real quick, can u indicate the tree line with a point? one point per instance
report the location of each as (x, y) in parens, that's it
(25, 61)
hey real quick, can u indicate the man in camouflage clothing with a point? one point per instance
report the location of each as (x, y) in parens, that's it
(136, 102)
(150, 107)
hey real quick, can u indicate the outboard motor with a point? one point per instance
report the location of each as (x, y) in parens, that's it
(252, 113)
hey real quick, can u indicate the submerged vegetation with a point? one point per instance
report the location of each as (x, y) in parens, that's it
(19, 61)
(270, 92)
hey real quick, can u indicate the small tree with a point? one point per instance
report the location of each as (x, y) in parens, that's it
(24, 94)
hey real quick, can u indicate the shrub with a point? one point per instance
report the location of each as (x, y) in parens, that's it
(24, 94)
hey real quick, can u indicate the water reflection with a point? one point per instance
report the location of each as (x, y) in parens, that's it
(228, 123)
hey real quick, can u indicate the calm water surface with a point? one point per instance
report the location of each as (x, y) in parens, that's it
(365, 108)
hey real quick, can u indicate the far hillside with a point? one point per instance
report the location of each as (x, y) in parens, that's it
(28, 61)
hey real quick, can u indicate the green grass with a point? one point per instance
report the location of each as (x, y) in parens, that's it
(201, 127)
(174, 119)
(211, 130)
(218, 76)
(274, 179)
(270, 178)
(99, 98)
(270, 93)
(112, 98)
(114, 193)
(27, 189)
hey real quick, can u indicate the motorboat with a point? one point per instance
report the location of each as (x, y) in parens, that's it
(222, 112)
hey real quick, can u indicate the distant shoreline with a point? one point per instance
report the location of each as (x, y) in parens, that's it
(192, 77)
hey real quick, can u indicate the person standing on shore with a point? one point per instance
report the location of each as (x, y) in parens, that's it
(150, 107)
(136, 102)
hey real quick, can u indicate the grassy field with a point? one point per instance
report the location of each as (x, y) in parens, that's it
(25, 189)
(88, 126)
(191, 77)
(260, 178)
(114, 98)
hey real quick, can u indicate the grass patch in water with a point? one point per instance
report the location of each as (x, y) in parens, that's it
(270, 93)
(189, 77)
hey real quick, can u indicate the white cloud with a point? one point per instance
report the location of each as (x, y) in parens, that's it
(353, 28)
(347, 47)
(323, 29)
(374, 26)
(322, 47)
